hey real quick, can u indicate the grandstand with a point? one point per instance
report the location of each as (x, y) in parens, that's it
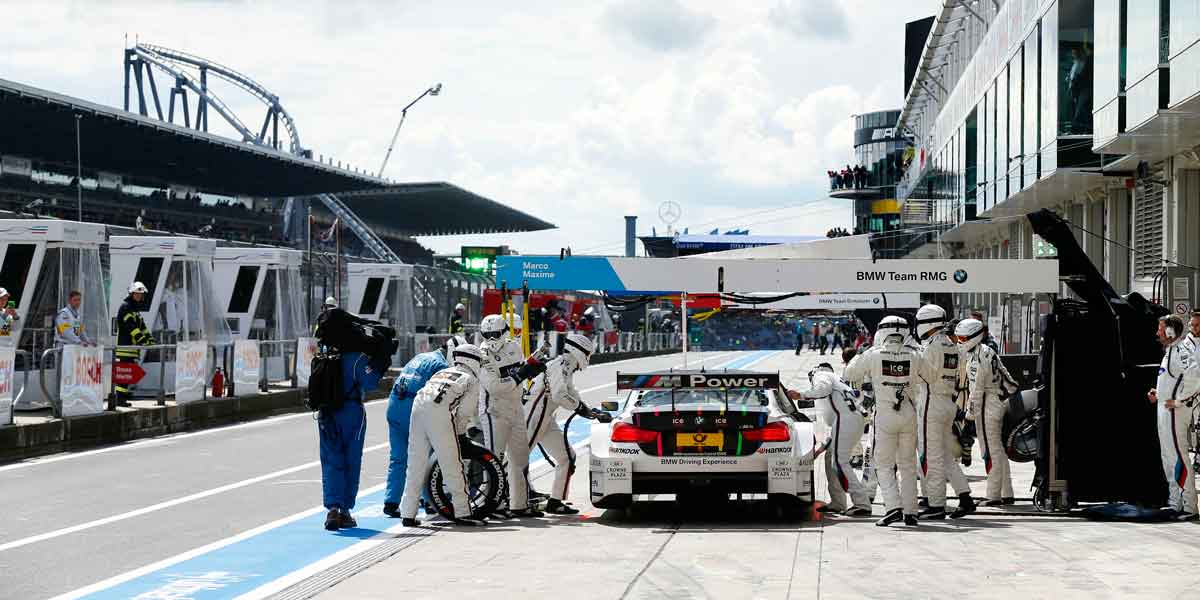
(56, 150)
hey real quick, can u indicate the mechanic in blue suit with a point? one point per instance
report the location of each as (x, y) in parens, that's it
(412, 378)
(342, 432)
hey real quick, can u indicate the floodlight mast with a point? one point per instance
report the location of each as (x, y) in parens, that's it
(433, 91)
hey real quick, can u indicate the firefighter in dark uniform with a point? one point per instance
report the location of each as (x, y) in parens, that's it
(131, 331)
(456, 320)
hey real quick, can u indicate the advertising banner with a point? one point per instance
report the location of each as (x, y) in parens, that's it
(839, 302)
(82, 380)
(191, 371)
(306, 349)
(247, 366)
(7, 375)
(656, 275)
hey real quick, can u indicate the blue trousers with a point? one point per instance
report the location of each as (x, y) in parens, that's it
(399, 413)
(342, 434)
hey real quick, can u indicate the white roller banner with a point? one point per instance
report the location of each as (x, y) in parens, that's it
(7, 375)
(840, 302)
(306, 349)
(191, 371)
(642, 275)
(82, 380)
(247, 366)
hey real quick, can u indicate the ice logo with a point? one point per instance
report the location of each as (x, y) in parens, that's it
(960, 276)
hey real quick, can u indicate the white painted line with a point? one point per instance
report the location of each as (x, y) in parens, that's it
(190, 554)
(161, 439)
(167, 504)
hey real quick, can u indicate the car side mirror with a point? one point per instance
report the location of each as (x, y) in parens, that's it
(610, 406)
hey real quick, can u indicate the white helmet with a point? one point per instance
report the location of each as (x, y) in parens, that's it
(579, 348)
(3, 292)
(492, 327)
(891, 326)
(930, 318)
(469, 357)
(451, 343)
(331, 302)
(969, 333)
(137, 287)
(459, 307)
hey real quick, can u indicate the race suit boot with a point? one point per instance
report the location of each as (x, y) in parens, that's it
(893, 516)
(966, 506)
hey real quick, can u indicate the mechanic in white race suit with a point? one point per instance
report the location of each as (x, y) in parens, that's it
(552, 390)
(990, 386)
(1176, 397)
(500, 414)
(441, 410)
(937, 446)
(892, 368)
(837, 404)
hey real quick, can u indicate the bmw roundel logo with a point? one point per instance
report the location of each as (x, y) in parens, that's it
(960, 276)
(875, 300)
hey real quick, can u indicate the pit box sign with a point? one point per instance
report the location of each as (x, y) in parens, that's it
(7, 375)
(306, 349)
(191, 371)
(247, 366)
(82, 380)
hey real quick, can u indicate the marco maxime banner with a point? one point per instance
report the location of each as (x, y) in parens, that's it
(619, 274)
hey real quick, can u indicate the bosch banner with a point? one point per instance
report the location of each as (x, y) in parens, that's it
(247, 365)
(82, 373)
(191, 371)
(7, 374)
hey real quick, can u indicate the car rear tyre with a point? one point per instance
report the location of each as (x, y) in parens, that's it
(786, 507)
(487, 484)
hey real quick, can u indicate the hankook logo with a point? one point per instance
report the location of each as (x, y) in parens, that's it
(960, 276)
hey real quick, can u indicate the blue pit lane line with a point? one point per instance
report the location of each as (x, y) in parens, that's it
(245, 565)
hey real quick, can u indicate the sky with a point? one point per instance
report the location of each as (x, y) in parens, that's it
(577, 112)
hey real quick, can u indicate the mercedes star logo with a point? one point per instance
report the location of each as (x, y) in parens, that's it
(669, 212)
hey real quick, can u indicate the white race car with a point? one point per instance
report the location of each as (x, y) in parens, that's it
(704, 432)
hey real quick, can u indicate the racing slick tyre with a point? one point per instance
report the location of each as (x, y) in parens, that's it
(487, 483)
(615, 502)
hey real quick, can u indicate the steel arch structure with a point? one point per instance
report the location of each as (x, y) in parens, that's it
(191, 72)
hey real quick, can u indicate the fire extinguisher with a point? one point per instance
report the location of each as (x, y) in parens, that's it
(218, 383)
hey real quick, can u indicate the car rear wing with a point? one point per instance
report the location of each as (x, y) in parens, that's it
(697, 381)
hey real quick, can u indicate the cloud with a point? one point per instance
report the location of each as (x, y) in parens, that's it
(810, 19)
(661, 25)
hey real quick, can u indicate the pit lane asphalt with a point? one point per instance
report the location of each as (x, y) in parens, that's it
(74, 519)
(733, 552)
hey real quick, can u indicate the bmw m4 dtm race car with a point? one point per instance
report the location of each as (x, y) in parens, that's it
(710, 432)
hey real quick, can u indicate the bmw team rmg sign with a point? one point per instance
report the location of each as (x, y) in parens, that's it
(814, 276)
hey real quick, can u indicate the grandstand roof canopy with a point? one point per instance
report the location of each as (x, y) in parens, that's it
(40, 125)
(436, 209)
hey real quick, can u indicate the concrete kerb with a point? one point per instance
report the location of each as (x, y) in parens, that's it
(76, 433)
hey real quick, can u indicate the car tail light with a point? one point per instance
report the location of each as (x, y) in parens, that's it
(773, 432)
(624, 432)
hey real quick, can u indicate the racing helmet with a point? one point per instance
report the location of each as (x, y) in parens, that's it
(579, 347)
(137, 287)
(821, 367)
(492, 327)
(891, 326)
(969, 333)
(930, 318)
(469, 357)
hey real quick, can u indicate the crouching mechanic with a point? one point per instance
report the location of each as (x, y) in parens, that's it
(500, 414)
(1176, 394)
(442, 409)
(556, 389)
(938, 447)
(892, 370)
(835, 400)
(415, 374)
(990, 385)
